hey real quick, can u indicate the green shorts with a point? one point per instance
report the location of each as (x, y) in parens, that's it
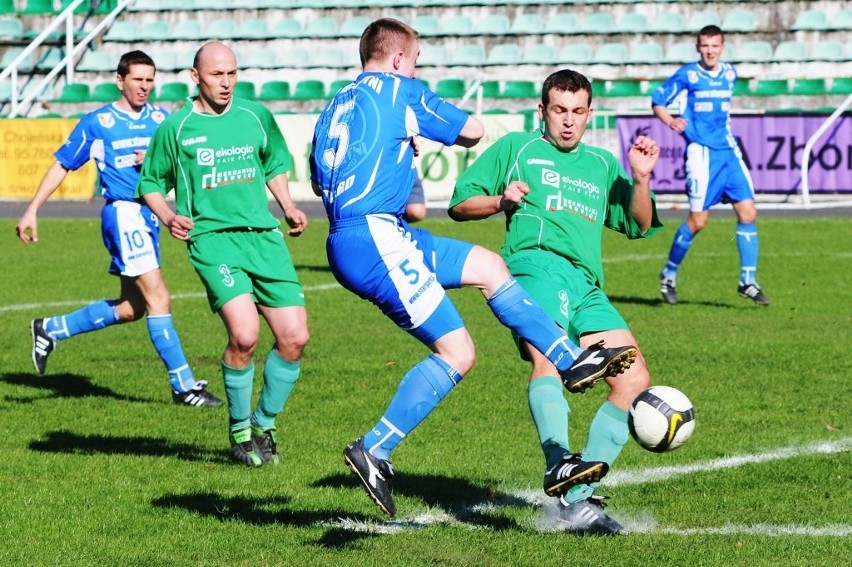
(565, 293)
(232, 263)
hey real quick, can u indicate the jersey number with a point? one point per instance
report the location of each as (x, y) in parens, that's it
(411, 273)
(339, 130)
(134, 239)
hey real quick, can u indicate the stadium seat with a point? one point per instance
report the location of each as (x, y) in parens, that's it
(611, 54)
(124, 31)
(156, 31)
(253, 28)
(841, 86)
(295, 58)
(222, 29)
(286, 28)
(49, 59)
(100, 62)
(5, 91)
(650, 53)
(325, 26)
(667, 22)
(490, 89)
(245, 89)
(538, 54)
(457, 25)
(74, 93)
(771, 87)
(578, 53)
(333, 57)
(426, 25)
(260, 59)
(13, 53)
(520, 89)
(468, 55)
(309, 89)
(8, 7)
(335, 86)
(632, 22)
(11, 30)
(432, 56)
(842, 20)
(814, 19)
(742, 87)
(809, 87)
(739, 20)
(527, 24)
(790, 51)
(681, 52)
(561, 23)
(172, 92)
(450, 88)
(494, 24)
(757, 51)
(354, 26)
(624, 87)
(597, 22)
(274, 91)
(105, 92)
(504, 54)
(828, 50)
(38, 7)
(702, 18)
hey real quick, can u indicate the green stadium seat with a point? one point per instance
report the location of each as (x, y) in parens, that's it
(814, 19)
(105, 92)
(156, 31)
(841, 86)
(450, 88)
(828, 50)
(245, 89)
(296, 58)
(561, 23)
(531, 119)
(809, 87)
(274, 91)
(333, 57)
(124, 31)
(494, 24)
(681, 52)
(468, 55)
(649, 53)
(324, 26)
(458, 25)
(287, 28)
(172, 92)
(426, 25)
(253, 28)
(667, 22)
(74, 93)
(335, 86)
(578, 53)
(538, 54)
(354, 26)
(790, 50)
(504, 54)
(8, 7)
(5, 91)
(740, 20)
(188, 30)
(597, 22)
(11, 30)
(260, 59)
(13, 53)
(623, 88)
(757, 51)
(651, 86)
(632, 22)
(702, 18)
(222, 29)
(771, 87)
(742, 87)
(520, 89)
(49, 59)
(309, 89)
(842, 20)
(490, 89)
(527, 24)
(38, 7)
(99, 62)
(611, 54)
(432, 56)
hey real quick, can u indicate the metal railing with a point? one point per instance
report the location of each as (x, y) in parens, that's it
(809, 146)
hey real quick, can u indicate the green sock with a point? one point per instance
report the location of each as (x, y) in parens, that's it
(607, 436)
(279, 378)
(238, 386)
(550, 412)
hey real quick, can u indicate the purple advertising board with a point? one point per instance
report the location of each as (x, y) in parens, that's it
(772, 147)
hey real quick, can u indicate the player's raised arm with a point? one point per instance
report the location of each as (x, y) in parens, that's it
(471, 133)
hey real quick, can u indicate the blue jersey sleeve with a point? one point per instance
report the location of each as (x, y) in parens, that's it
(670, 89)
(437, 119)
(77, 150)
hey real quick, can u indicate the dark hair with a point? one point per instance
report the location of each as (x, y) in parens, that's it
(565, 80)
(382, 37)
(711, 31)
(133, 58)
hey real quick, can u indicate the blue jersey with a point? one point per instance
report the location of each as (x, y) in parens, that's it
(362, 156)
(109, 136)
(708, 103)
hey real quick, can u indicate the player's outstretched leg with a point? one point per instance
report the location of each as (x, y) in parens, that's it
(197, 396)
(587, 517)
(570, 471)
(43, 345)
(668, 288)
(376, 475)
(596, 363)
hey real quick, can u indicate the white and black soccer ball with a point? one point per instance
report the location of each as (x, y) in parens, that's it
(661, 419)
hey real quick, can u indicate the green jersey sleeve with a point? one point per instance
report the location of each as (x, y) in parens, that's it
(275, 155)
(487, 175)
(158, 167)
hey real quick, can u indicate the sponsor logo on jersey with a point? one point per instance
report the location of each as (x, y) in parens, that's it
(134, 142)
(730, 75)
(537, 161)
(125, 161)
(235, 152)
(582, 186)
(550, 177)
(206, 156)
(136, 126)
(692, 76)
(158, 116)
(192, 141)
(106, 119)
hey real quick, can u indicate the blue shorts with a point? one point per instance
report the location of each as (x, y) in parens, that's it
(715, 176)
(131, 233)
(403, 271)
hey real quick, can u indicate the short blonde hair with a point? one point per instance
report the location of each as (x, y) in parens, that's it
(383, 37)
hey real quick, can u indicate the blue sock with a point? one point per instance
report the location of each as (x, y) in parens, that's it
(238, 387)
(747, 245)
(513, 307)
(92, 317)
(416, 396)
(163, 335)
(550, 412)
(607, 436)
(680, 246)
(279, 378)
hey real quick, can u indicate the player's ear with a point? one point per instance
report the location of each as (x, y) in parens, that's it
(193, 74)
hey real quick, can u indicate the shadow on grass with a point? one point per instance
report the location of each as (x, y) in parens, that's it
(73, 443)
(659, 302)
(62, 386)
(313, 268)
(463, 501)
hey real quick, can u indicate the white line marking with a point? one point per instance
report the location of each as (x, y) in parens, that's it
(51, 304)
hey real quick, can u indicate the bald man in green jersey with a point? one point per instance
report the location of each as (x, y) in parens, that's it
(221, 154)
(558, 194)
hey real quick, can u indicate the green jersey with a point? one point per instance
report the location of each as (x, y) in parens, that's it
(218, 165)
(573, 196)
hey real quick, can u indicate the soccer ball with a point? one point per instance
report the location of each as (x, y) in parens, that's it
(661, 419)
